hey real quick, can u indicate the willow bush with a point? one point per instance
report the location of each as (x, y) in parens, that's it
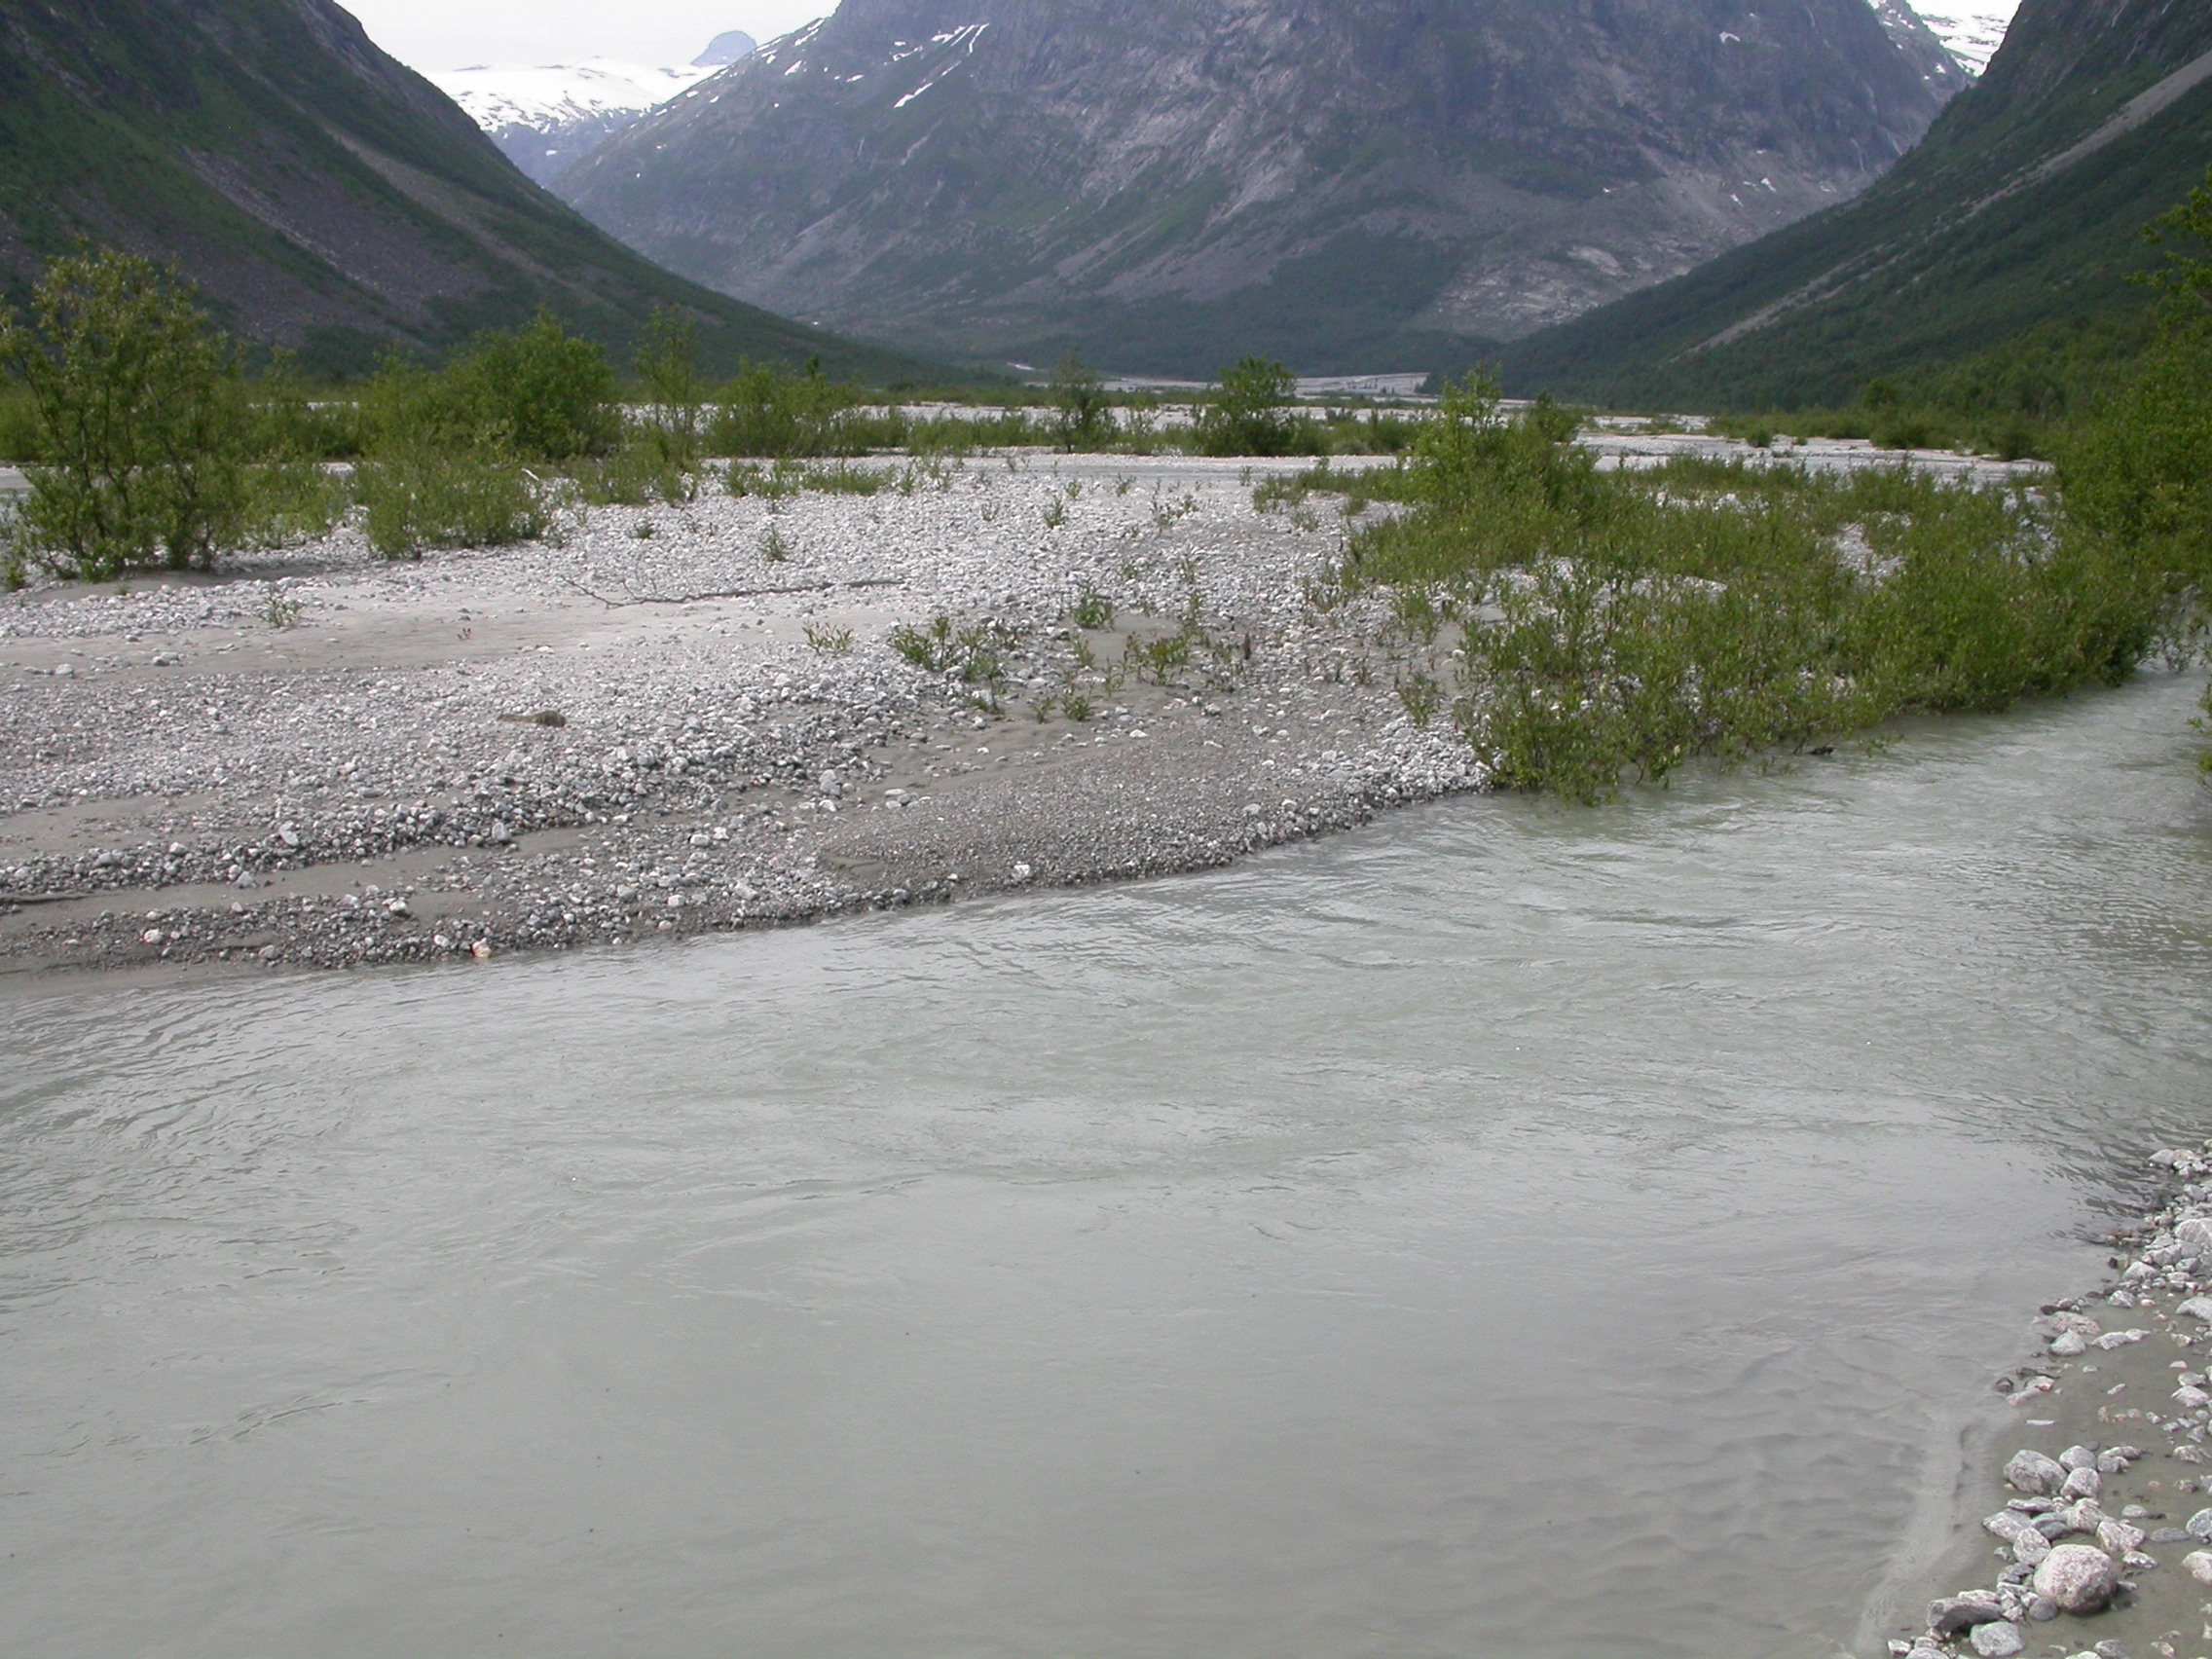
(1612, 625)
(144, 442)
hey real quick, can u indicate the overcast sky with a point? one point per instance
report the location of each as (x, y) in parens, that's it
(453, 34)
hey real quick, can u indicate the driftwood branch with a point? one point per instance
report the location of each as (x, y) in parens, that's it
(635, 598)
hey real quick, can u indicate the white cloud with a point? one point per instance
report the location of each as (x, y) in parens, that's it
(451, 35)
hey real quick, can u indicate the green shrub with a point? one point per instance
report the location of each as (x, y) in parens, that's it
(976, 654)
(770, 413)
(1249, 414)
(2137, 474)
(948, 435)
(781, 480)
(1082, 417)
(140, 424)
(1091, 609)
(2140, 468)
(1614, 625)
(1905, 432)
(424, 497)
(843, 478)
(667, 363)
(540, 393)
(641, 472)
(19, 424)
(773, 484)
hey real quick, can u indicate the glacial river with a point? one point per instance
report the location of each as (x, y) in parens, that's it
(1508, 1230)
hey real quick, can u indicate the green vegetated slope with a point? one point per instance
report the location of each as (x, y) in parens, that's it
(2019, 210)
(324, 197)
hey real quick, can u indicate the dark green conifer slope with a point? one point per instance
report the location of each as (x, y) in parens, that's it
(324, 197)
(2022, 207)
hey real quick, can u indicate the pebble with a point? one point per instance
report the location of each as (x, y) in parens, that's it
(2197, 1564)
(1998, 1640)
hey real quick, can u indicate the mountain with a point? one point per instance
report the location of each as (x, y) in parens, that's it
(545, 119)
(729, 47)
(1971, 30)
(1345, 184)
(322, 196)
(2022, 208)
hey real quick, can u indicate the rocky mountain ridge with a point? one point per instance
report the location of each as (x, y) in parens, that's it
(1359, 185)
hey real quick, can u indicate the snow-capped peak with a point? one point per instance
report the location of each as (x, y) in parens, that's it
(555, 94)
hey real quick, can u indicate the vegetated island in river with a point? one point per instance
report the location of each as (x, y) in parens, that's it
(2099, 1498)
(867, 686)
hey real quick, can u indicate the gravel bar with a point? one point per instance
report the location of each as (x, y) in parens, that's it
(2097, 1539)
(671, 720)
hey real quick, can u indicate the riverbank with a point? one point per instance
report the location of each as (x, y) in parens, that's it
(2096, 1497)
(678, 720)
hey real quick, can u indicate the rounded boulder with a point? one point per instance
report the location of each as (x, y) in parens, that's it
(2035, 1474)
(2077, 1578)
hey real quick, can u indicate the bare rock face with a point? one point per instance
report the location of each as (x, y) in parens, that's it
(2078, 1578)
(1161, 182)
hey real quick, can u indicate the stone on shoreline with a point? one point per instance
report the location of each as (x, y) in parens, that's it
(1998, 1640)
(2197, 1564)
(1952, 1614)
(2035, 1474)
(2078, 1578)
(2007, 1524)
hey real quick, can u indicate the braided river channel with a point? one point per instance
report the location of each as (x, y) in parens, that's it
(1507, 1230)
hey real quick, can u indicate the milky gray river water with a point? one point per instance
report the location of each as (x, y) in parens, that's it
(1507, 1230)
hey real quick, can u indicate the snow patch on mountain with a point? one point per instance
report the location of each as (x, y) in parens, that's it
(561, 92)
(1973, 29)
(548, 117)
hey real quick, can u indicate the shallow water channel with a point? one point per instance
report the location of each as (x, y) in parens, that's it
(1508, 1230)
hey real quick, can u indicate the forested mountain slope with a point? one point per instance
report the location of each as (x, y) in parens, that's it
(324, 197)
(2022, 207)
